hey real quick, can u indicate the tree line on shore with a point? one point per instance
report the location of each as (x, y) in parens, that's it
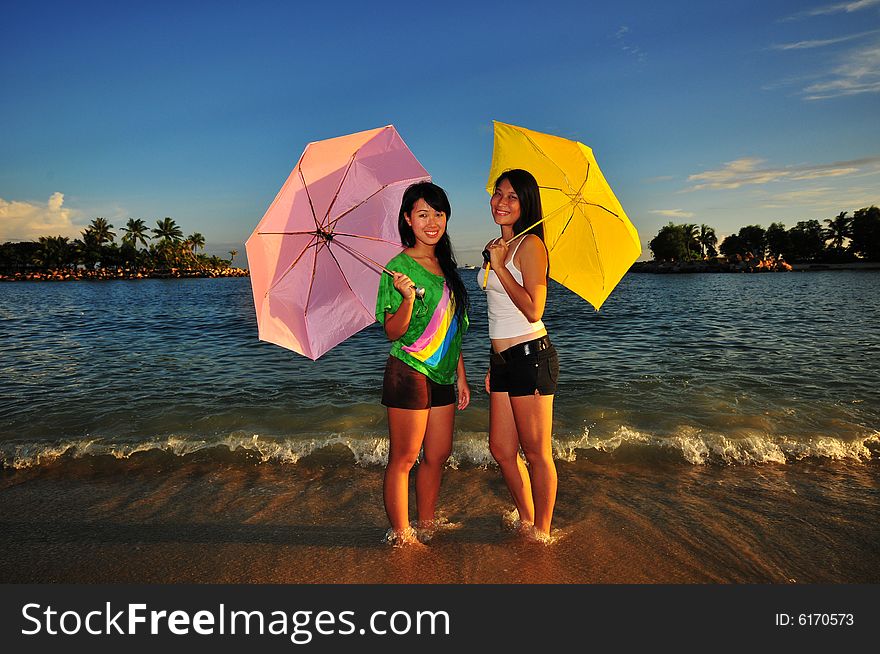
(141, 250)
(844, 239)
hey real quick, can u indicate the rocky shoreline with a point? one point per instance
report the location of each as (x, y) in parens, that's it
(666, 267)
(106, 274)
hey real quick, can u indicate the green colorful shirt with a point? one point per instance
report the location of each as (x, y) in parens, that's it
(432, 342)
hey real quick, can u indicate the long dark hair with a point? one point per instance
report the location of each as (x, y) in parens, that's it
(526, 188)
(437, 200)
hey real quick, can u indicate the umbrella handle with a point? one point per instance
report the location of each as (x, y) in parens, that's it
(420, 290)
(485, 252)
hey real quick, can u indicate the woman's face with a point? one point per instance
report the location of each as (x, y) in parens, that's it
(505, 204)
(428, 224)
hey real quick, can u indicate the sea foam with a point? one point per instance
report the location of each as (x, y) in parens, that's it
(699, 448)
(688, 443)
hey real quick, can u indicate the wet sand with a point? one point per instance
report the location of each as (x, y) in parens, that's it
(166, 519)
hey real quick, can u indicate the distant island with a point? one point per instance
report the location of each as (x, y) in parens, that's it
(161, 252)
(724, 265)
(845, 243)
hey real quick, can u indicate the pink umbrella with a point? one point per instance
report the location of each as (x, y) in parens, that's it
(316, 256)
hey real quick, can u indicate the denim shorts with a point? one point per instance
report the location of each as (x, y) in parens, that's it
(524, 369)
(407, 388)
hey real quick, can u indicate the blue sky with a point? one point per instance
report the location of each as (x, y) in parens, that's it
(723, 113)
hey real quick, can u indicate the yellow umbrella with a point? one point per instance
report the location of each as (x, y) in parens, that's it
(590, 240)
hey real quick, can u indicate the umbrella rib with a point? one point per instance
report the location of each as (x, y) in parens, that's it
(554, 188)
(339, 188)
(362, 256)
(345, 279)
(309, 196)
(341, 181)
(332, 224)
(573, 195)
(606, 209)
(557, 210)
(564, 227)
(284, 233)
(367, 238)
(592, 204)
(544, 154)
(535, 224)
(290, 267)
(586, 177)
(358, 205)
(312, 280)
(596, 245)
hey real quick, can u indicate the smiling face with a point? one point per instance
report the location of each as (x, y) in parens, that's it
(427, 223)
(505, 204)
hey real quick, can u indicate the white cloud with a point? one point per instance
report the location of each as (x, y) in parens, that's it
(673, 213)
(839, 8)
(734, 174)
(27, 221)
(748, 170)
(824, 199)
(626, 46)
(854, 72)
(810, 196)
(859, 73)
(820, 43)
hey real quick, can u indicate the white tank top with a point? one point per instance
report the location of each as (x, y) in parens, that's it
(505, 320)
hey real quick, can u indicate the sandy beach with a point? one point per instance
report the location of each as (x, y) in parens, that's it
(154, 519)
(148, 437)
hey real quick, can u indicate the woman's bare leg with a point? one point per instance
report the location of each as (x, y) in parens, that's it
(437, 448)
(504, 444)
(533, 415)
(406, 429)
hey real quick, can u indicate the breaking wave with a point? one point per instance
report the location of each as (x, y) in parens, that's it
(700, 448)
(688, 445)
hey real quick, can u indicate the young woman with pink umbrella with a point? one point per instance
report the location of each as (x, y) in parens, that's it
(425, 367)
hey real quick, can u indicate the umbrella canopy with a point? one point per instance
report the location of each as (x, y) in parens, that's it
(590, 240)
(315, 256)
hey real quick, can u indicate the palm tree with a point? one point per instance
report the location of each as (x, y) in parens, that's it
(170, 236)
(167, 230)
(232, 254)
(691, 238)
(707, 240)
(135, 232)
(88, 249)
(54, 252)
(100, 230)
(190, 244)
(839, 228)
(195, 241)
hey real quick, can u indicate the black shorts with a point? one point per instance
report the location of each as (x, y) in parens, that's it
(407, 388)
(524, 369)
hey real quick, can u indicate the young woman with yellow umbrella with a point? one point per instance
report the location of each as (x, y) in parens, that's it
(559, 219)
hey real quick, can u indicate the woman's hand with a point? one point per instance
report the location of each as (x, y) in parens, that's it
(497, 253)
(488, 372)
(464, 393)
(404, 285)
(397, 323)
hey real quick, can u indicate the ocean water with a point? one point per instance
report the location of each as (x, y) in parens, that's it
(707, 428)
(701, 369)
